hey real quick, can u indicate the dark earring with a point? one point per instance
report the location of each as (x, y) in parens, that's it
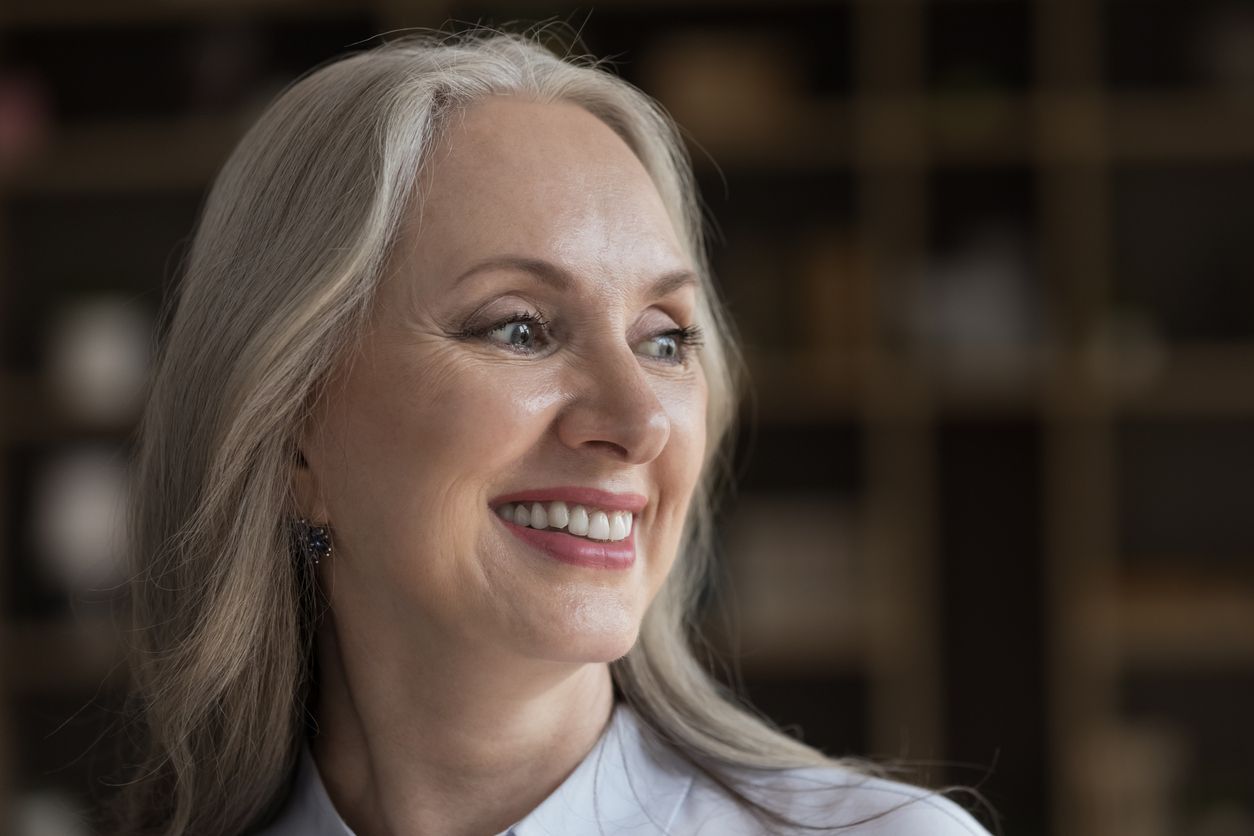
(312, 540)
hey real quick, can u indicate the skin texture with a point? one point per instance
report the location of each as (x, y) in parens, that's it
(463, 674)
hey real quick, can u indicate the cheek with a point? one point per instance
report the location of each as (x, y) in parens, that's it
(687, 406)
(460, 417)
(429, 435)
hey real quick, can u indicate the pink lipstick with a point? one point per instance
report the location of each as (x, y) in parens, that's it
(578, 551)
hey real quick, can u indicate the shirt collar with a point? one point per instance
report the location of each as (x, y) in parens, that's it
(624, 785)
(627, 785)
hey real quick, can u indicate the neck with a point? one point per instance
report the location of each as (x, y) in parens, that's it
(455, 744)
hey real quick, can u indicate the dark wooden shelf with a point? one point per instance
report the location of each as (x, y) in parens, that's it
(16, 13)
(131, 155)
(990, 131)
(1174, 621)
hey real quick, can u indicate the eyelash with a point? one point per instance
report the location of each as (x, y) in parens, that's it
(688, 338)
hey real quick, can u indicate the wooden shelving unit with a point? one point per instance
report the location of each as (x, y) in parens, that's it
(877, 156)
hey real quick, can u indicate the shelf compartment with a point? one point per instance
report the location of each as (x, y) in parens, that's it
(1161, 44)
(1182, 489)
(1181, 248)
(979, 45)
(793, 567)
(125, 243)
(62, 656)
(119, 155)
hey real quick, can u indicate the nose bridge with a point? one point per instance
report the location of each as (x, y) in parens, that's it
(616, 404)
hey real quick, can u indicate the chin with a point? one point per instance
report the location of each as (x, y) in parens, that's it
(589, 633)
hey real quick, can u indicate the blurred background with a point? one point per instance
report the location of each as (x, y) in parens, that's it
(993, 263)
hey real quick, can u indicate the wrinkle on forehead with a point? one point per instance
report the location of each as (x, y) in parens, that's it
(546, 180)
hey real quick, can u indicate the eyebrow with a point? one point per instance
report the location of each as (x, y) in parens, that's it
(558, 278)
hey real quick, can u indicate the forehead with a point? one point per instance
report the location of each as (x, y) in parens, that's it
(543, 180)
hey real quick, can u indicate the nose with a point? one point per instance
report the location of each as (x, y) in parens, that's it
(615, 409)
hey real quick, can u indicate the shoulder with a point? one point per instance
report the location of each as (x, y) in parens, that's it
(827, 797)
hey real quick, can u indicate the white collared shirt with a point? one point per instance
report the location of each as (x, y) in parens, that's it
(623, 788)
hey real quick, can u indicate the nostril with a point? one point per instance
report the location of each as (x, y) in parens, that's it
(617, 449)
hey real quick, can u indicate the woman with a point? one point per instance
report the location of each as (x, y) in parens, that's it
(427, 477)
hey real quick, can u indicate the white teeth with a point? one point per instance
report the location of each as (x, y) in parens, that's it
(618, 527)
(576, 519)
(598, 526)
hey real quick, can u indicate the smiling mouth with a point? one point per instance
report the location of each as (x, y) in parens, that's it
(578, 521)
(575, 549)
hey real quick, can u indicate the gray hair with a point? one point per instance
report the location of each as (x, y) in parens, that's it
(276, 290)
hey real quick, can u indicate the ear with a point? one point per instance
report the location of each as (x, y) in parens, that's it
(307, 490)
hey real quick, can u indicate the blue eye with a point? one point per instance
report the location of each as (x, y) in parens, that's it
(669, 346)
(519, 333)
(522, 331)
(678, 345)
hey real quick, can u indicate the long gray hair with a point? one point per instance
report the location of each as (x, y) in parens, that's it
(275, 292)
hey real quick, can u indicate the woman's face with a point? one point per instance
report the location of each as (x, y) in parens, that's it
(539, 214)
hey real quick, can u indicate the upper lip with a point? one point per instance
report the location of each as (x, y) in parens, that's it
(575, 495)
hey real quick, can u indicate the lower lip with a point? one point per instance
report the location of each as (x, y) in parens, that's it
(578, 551)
